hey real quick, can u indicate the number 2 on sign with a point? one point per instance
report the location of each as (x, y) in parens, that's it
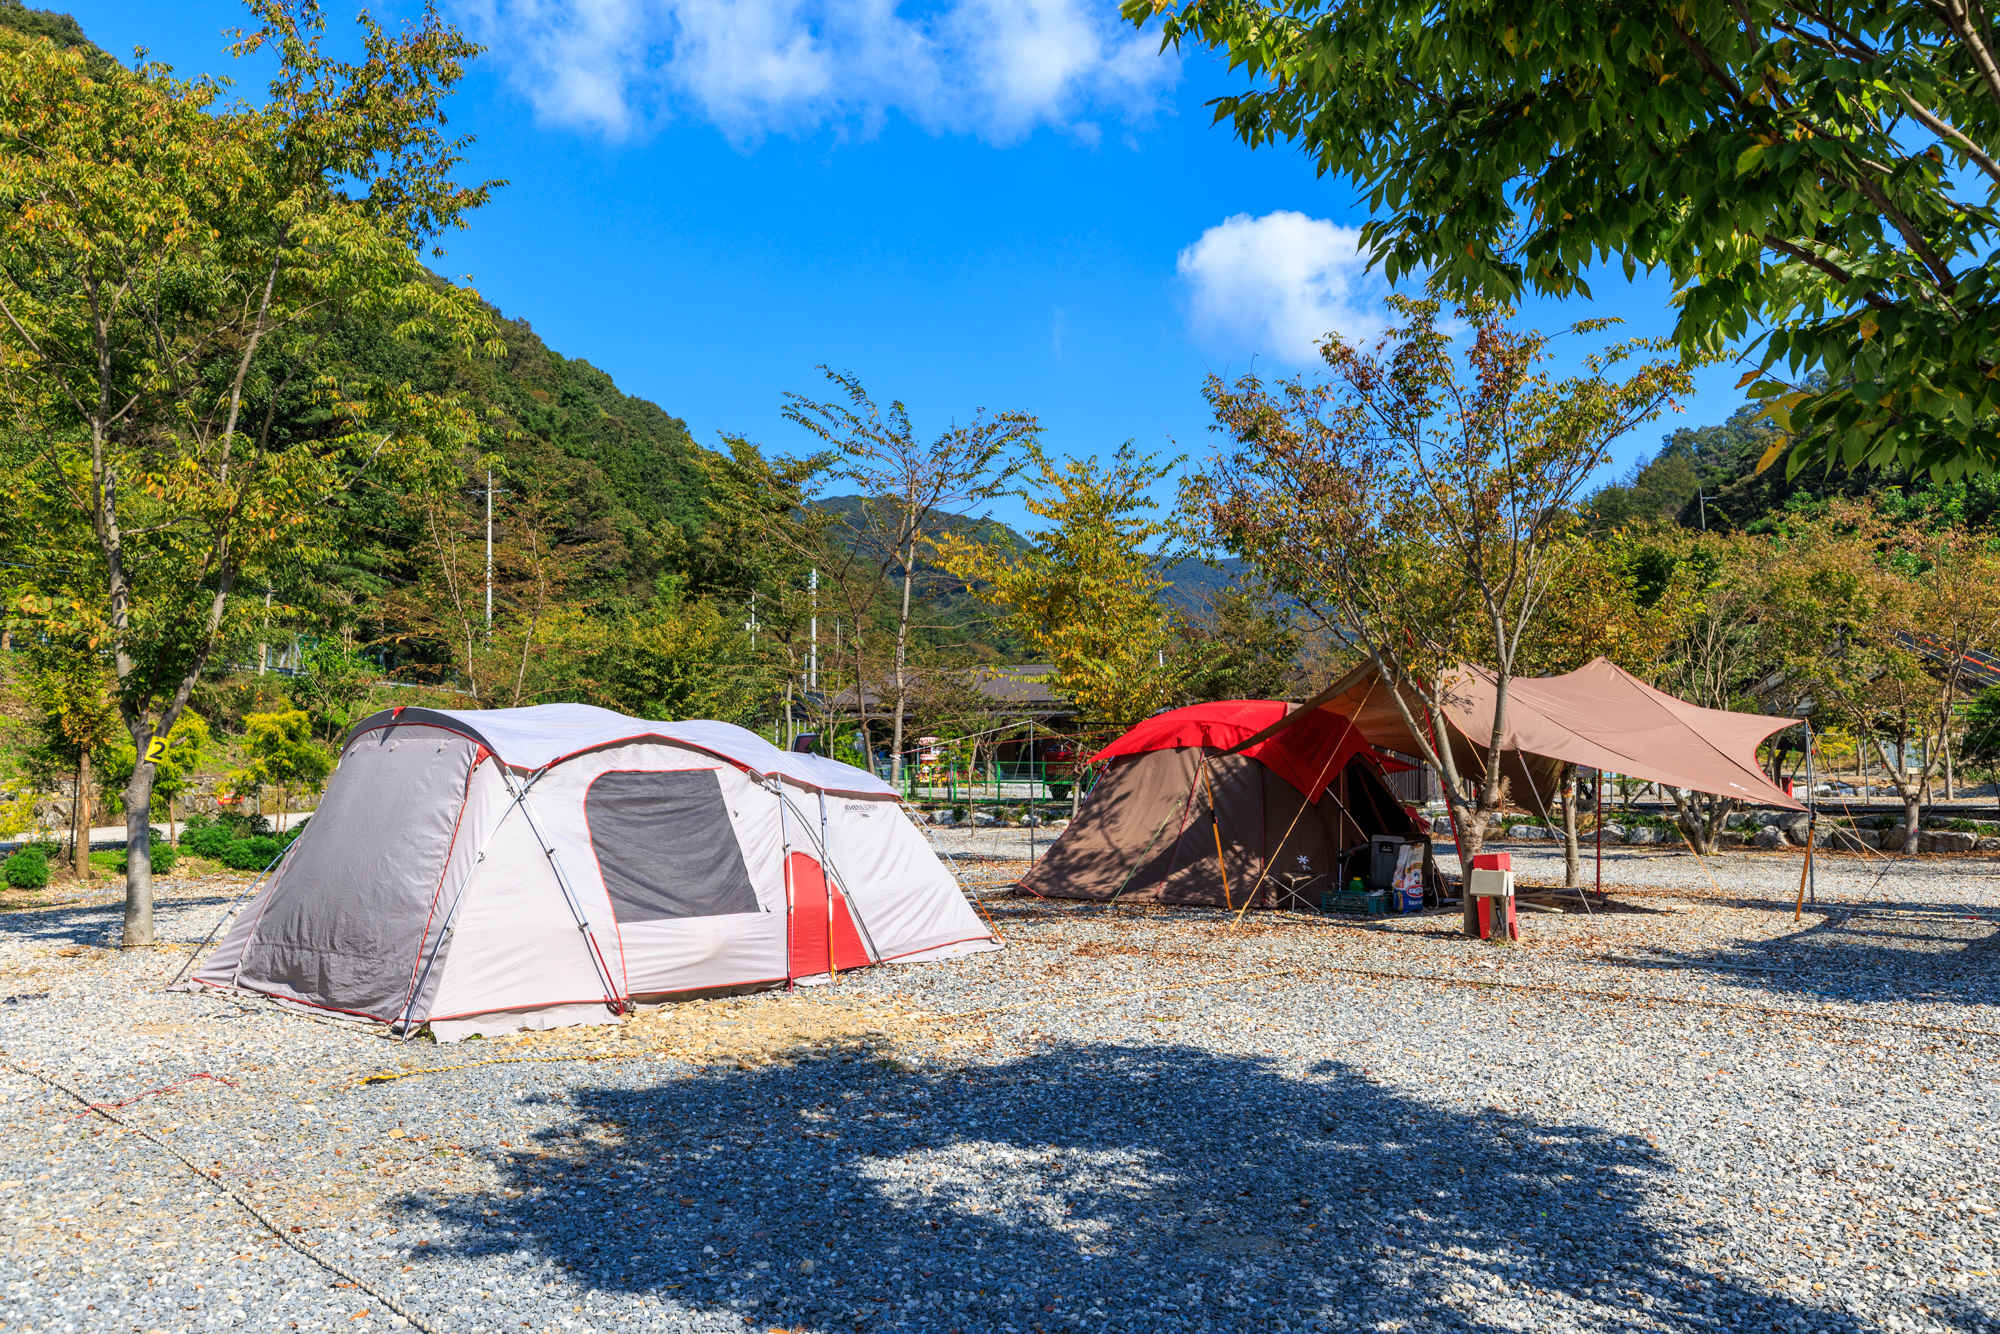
(156, 750)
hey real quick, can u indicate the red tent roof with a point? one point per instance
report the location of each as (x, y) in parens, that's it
(1308, 754)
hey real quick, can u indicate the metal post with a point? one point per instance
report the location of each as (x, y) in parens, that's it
(489, 553)
(1812, 820)
(1031, 789)
(812, 659)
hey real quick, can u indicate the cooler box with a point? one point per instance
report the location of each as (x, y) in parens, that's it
(1383, 850)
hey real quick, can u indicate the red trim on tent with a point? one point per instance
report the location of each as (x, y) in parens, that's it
(1307, 754)
(464, 800)
(809, 912)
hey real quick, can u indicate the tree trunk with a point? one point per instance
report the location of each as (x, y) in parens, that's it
(1572, 859)
(139, 854)
(80, 839)
(902, 648)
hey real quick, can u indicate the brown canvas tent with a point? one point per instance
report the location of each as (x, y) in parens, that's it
(1599, 717)
(1173, 819)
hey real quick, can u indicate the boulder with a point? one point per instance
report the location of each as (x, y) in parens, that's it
(1730, 838)
(1987, 845)
(985, 820)
(1644, 834)
(1527, 831)
(1770, 836)
(1030, 821)
(1946, 840)
(1793, 824)
(1613, 833)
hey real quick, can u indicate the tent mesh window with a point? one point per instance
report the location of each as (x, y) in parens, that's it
(666, 846)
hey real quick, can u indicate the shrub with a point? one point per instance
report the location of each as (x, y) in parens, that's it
(27, 869)
(211, 840)
(164, 856)
(251, 854)
(242, 824)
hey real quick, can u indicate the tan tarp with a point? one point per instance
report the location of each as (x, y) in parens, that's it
(1148, 832)
(1599, 717)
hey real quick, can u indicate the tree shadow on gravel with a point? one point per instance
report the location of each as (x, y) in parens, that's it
(1093, 1187)
(1886, 950)
(100, 922)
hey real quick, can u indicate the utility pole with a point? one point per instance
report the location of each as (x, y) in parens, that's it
(1704, 498)
(812, 659)
(490, 493)
(264, 649)
(751, 624)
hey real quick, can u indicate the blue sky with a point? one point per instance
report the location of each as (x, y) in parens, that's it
(968, 203)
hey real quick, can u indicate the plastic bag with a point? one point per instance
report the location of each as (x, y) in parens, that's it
(1408, 884)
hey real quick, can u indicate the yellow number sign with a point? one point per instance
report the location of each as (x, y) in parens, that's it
(156, 750)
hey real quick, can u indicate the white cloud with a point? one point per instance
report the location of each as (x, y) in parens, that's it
(1279, 284)
(995, 68)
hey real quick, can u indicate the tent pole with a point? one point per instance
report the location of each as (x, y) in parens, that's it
(1325, 772)
(785, 851)
(826, 880)
(451, 915)
(612, 995)
(829, 869)
(1215, 823)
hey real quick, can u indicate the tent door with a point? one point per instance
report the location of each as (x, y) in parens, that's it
(809, 923)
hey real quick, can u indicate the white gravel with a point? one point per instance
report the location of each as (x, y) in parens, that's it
(1670, 1116)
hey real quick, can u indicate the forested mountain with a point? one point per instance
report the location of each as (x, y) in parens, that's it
(1720, 463)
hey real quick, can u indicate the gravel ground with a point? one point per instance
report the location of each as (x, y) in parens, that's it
(1685, 1113)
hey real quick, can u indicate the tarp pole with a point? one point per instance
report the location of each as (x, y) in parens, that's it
(1215, 823)
(1597, 787)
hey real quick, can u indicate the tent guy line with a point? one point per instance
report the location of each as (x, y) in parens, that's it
(215, 1179)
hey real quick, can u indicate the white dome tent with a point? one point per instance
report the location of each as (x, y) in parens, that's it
(483, 871)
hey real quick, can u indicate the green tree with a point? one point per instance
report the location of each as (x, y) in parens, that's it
(332, 684)
(70, 686)
(281, 753)
(175, 762)
(1085, 594)
(166, 269)
(909, 486)
(1824, 174)
(1419, 503)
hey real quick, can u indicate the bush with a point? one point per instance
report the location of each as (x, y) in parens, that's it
(27, 869)
(251, 854)
(211, 840)
(164, 856)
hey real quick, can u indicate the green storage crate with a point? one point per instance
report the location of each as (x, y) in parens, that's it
(1374, 903)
